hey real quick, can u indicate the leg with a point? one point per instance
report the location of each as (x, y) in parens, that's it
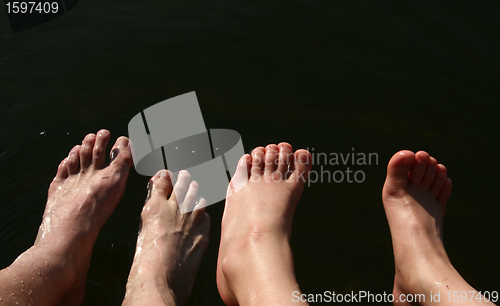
(255, 264)
(170, 245)
(415, 194)
(81, 197)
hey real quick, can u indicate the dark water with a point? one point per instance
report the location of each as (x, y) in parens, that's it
(334, 75)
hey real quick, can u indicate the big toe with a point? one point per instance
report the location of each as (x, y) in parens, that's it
(397, 172)
(159, 190)
(240, 177)
(121, 156)
(161, 184)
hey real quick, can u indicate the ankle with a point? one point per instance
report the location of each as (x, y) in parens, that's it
(46, 277)
(257, 257)
(149, 291)
(424, 279)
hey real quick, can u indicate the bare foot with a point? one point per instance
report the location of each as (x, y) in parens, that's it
(255, 264)
(81, 197)
(415, 194)
(170, 245)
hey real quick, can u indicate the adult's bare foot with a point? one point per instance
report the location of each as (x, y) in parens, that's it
(415, 194)
(81, 197)
(170, 245)
(255, 264)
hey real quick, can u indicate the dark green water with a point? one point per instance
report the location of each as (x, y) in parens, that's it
(333, 75)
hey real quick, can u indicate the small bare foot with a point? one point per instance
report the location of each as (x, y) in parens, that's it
(81, 197)
(255, 264)
(170, 245)
(415, 194)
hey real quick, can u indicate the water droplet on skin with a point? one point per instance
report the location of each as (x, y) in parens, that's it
(17, 303)
(46, 263)
(22, 290)
(12, 294)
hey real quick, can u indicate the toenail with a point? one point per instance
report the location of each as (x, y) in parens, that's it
(124, 141)
(304, 159)
(114, 154)
(163, 173)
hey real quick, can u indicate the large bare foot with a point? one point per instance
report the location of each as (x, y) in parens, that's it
(415, 194)
(81, 197)
(170, 245)
(255, 264)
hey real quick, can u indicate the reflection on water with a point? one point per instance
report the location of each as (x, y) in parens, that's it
(322, 74)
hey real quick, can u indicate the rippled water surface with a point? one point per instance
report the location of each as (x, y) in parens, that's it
(330, 75)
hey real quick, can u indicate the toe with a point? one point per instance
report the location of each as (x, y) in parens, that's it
(181, 186)
(430, 173)
(121, 156)
(397, 171)
(439, 181)
(243, 169)
(190, 200)
(301, 166)
(257, 163)
(204, 224)
(86, 151)
(99, 152)
(445, 192)
(285, 158)
(199, 210)
(418, 169)
(62, 170)
(162, 184)
(240, 177)
(271, 159)
(73, 160)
